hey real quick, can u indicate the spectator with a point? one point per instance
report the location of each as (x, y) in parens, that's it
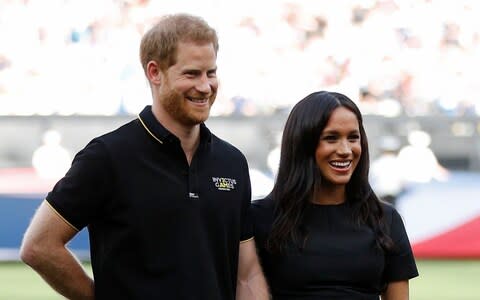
(51, 160)
(386, 180)
(418, 162)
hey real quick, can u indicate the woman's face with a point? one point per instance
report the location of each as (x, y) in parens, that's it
(339, 149)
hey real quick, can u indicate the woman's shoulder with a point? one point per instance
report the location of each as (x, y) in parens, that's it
(390, 213)
(262, 209)
(387, 208)
(263, 204)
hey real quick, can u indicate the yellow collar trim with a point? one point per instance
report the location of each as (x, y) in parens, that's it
(148, 130)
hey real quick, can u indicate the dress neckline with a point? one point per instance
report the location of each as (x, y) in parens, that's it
(329, 205)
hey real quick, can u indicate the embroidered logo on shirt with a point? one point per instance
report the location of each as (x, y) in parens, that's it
(224, 184)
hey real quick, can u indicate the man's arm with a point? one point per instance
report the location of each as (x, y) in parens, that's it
(251, 284)
(397, 290)
(43, 249)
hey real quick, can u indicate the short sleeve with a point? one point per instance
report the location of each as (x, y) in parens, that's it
(79, 197)
(400, 262)
(247, 222)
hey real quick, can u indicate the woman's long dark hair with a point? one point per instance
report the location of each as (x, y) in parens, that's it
(298, 174)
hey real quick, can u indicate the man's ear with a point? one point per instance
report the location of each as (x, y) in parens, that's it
(154, 73)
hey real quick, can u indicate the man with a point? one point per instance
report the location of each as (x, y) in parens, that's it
(165, 201)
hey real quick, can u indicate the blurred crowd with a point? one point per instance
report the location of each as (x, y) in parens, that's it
(404, 57)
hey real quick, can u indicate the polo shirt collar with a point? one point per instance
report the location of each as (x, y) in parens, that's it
(160, 133)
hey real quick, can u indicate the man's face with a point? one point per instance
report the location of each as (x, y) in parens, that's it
(189, 87)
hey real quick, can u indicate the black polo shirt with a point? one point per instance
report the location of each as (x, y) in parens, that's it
(159, 228)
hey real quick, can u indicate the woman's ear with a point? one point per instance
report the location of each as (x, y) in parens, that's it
(154, 73)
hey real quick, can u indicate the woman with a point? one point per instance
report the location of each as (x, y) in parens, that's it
(322, 233)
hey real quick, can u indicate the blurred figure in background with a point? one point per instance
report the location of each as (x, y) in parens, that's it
(273, 157)
(418, 163)
(51, 160)
(385, 176)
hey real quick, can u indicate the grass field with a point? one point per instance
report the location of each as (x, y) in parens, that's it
(19, 282)
(439, 280)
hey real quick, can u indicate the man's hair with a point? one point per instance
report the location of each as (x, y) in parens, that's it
(160, 43)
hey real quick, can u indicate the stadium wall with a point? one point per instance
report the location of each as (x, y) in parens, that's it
(455, 141)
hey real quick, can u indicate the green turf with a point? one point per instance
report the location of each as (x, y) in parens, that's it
(438, 280)
(20, 282)
(446, 280)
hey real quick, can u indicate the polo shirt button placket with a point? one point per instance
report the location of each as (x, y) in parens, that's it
(192, 186)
